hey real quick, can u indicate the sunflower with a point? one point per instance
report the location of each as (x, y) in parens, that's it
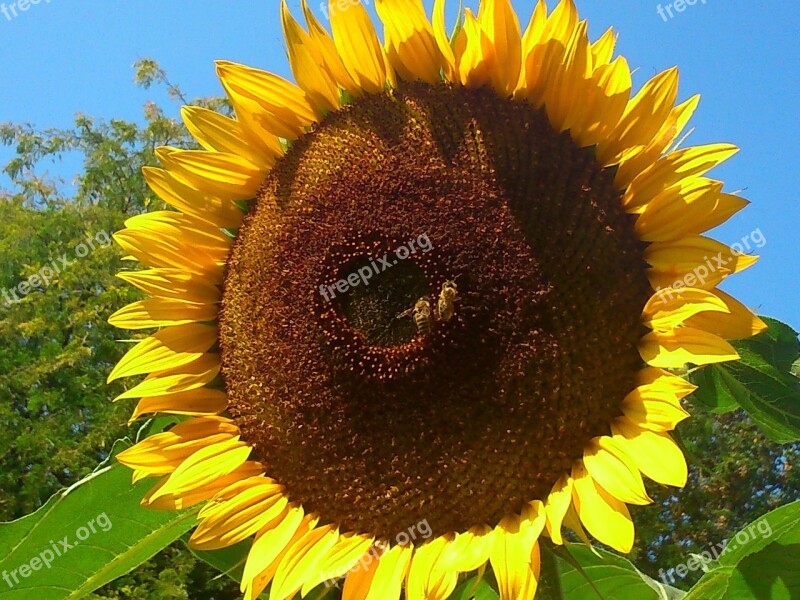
(538, 282)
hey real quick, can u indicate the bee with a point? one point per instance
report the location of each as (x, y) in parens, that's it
(448, 297)
(421, 313)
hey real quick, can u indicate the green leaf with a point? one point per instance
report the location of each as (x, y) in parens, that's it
(762, 382)
(712, 586)
(85, 537)
(474, 588)
(610, 576)
(780, 524)
(229, 561)
(711, 391)
(760, 562)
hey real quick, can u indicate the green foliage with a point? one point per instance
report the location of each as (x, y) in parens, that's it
(56, 348)
(760, 561)
(735, 474)
(605, 575)
(85, 537)
(762, 382)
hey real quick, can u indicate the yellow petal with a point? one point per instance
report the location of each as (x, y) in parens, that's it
(162, 453)
(655, 453)
(174, 225)
(195, 496)
(573, 522)
(168, 348)
(258, 483)
(307, 64)
(258, 125)
(669, 308)
(443, 40)
(639, 158)
(547, 55)
(693, 261)
(688, 208)
(531, 38)
(342, 557)
(605, 517)
(653, 409)
(672, 169)
(226, 523)
(610, 465)
(603, 48)
(605, 96)
(427, 580)
(253, 591)
(198, 402)
(387, 582)
(358, 46)
(192, 201)
(301, 561)
(171, 252)
(331, 61)
(475, 62)
(561, 23)
(738, 323)
(206, 465)
(411, 46)
(181, 379)
(643, 117)
(218, 173)
(219, 133)
(268, 545)
(658, 380)
(162, 312)
(173, 284)
(282, 107)
(359, 580)
(564, 98)
(469, 550)
(499, 22)
(555, 509)
(512, 553)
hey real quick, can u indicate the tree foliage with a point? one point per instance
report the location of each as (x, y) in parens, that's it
(56, 347)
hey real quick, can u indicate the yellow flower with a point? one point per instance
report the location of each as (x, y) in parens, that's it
(427, 304)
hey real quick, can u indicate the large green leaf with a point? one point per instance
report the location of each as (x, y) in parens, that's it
(762, 382)
(608, 577)
(712, 393)
(85, 537)
(760, 562)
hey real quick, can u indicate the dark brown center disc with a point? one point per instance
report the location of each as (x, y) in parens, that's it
(377, 422)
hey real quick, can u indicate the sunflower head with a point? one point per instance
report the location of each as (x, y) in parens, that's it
(428, 303)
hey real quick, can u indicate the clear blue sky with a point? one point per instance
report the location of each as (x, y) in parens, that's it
(62, 57)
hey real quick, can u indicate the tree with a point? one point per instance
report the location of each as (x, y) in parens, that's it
(56, 347)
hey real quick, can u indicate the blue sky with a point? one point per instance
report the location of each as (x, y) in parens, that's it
(62, 57)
